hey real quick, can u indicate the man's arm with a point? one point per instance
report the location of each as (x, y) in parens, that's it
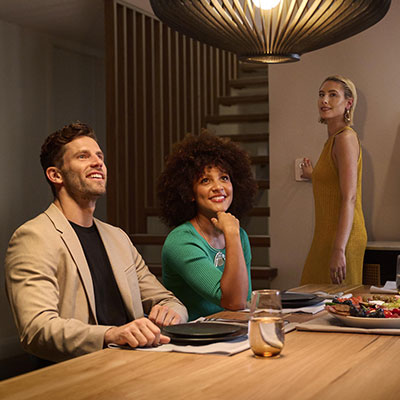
(159, 304)
(42, 284)
(50, 304)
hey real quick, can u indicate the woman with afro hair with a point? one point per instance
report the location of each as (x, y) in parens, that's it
(206, 187)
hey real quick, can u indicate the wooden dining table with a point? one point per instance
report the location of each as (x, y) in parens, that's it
(313, 365)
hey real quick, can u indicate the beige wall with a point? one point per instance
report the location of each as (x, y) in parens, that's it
(372, 60)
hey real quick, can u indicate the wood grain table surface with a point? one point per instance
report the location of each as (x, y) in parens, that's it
(313, 365)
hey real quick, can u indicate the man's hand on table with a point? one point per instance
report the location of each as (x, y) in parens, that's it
(144, 332)
(138, 333)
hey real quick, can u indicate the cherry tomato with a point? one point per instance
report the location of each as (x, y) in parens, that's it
(388, 314)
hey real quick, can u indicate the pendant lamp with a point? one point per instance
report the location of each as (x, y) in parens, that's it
(270, 31)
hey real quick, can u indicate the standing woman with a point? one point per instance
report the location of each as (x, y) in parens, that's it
(206, 186)
(340, 238)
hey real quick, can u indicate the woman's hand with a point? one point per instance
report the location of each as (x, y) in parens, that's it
(337, 266)
(307, 168)
(226, 223)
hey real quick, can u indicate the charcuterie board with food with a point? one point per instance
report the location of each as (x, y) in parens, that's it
(367, 306)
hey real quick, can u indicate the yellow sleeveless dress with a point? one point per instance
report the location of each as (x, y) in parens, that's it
(327, 200)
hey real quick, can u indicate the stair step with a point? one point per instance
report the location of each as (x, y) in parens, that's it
(227, 119)
(245, 82)
(267, 273)
(247, 137)
(231, 100)
(260, 240)
(145, 238)
(259, 160)
(263, 184)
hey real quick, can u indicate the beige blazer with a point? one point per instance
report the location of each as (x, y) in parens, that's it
(50, 289)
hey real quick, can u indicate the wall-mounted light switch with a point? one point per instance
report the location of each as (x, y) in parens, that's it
(298, 170)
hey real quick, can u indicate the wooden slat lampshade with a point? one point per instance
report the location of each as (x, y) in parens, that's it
(277, 35)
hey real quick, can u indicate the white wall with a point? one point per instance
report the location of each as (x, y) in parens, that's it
(371, 59)
(45, 84)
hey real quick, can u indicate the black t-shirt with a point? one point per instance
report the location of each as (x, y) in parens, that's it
(110, 308)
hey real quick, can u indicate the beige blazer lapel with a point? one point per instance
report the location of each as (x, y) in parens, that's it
(118, 266)
(74, 247)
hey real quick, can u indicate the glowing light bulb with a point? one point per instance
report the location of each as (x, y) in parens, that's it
(266, 4)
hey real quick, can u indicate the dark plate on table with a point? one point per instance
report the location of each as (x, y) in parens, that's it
(293, 296)
(201, 330)
(197, 339)
(296, 300)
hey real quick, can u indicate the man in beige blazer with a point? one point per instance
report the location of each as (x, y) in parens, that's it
(51, 278)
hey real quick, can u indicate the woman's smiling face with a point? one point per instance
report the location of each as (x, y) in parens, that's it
(213, 191)
(332, 102)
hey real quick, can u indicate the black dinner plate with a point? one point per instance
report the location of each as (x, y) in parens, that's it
(293, 296)
(300, 300)
(201, 330)
(197, 341)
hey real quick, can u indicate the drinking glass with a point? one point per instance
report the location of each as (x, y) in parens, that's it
(398, 273)
(266, 333)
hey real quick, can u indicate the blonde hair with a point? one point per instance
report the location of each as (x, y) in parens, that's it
(350, 92)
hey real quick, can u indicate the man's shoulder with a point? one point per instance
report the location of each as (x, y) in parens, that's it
(35, 233)
(37, 221)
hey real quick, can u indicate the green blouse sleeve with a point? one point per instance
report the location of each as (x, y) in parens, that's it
(186, 255)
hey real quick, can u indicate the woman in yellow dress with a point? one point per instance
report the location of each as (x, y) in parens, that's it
(340, 238)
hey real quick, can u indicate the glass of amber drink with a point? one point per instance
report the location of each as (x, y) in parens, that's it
(266, 333)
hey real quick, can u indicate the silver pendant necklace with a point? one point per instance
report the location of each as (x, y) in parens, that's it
(219, 258)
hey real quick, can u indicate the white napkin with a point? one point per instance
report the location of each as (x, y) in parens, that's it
(390, 288)
(226, 348)
(316, 308)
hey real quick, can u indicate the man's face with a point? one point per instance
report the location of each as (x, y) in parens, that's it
(83, 172)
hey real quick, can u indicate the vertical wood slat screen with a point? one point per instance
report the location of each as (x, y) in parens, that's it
(160, 85)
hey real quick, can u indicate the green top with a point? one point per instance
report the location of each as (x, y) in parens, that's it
(189, 270)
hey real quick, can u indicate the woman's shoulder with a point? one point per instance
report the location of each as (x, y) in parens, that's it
(183, 228)
(182, 231)
(347, 131)
(346, 136)
(346, 142)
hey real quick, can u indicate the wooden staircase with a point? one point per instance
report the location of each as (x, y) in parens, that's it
(243, 117)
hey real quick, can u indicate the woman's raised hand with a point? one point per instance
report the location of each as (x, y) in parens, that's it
(307, 168)
(226, 223)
